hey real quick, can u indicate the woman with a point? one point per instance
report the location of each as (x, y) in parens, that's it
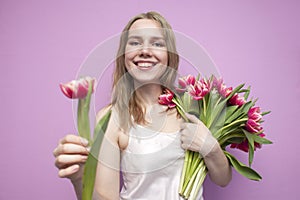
(144, 140)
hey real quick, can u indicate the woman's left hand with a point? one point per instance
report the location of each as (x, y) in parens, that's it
(195, 136)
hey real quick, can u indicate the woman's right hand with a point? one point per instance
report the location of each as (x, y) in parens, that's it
(70, 155)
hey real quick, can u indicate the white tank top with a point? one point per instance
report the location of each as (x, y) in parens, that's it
(151, 165)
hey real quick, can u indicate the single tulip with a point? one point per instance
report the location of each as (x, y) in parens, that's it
(77, 89)
(185, 82)
(255, 114)
(166, 99)
(253, 126)
(221, 87)
(224, 91)
(199, 89)
(217, 83)
(237, 100)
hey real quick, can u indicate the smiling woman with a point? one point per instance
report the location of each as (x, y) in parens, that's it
(144, 139)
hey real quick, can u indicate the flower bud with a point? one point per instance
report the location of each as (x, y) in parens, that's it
(77, 89)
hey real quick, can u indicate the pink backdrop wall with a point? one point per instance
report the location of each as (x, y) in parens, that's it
(44, 42)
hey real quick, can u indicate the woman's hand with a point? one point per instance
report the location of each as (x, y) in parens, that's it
(70, 155)
(195, 136)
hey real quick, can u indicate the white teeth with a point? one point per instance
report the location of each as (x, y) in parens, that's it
(141, 64)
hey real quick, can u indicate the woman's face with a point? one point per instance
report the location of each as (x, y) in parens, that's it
(146, 56)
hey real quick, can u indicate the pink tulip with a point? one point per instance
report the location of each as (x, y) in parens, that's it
(225, 92)
(199, 89)
(217, 83)
(184, 82)
(77, 89)
(221, 87)
(254, 117)
(237, 100)
(166, 99)
(242, 146)
(255, 114)
(253, 126)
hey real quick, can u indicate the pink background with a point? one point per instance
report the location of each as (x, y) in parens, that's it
(43, 43)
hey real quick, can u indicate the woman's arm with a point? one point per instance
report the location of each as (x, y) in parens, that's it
(196, 137)
(218, 166)
(71, 154)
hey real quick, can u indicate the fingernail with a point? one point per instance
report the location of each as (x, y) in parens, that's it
(84, 158)
(88, 149)
(75, 168)
(84, 141)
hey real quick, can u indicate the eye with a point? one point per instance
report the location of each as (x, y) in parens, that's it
(134, 43)
(158, 44)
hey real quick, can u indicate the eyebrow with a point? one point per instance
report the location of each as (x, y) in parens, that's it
(139, 37)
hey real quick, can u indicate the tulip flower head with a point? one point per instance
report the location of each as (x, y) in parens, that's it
(221, 87)
(199, 89)
(77, 89)
(185, 82)
(237, 100)
(254, 117)
(166, 98)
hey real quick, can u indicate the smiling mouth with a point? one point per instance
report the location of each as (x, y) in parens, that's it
(145, 65)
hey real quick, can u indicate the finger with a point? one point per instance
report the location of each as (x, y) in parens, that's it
(70, 148)
(64, 173)
(182, 126)
(65, 160)
(75, 139)
(193, 118)
(184, 146)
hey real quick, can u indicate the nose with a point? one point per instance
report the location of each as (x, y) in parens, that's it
(145, 51)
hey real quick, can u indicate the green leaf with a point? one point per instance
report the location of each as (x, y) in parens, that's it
(235, 90)
(213, 99)
(242, 168)
(102, 124)
(247, 93)
(240, 112)
(90, 167)
(265, 113)
(250, 139)
(215, 112)
(261, 140)
(230, 135)
(230, 110)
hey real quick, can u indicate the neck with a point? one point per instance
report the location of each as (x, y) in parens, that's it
(149, 93)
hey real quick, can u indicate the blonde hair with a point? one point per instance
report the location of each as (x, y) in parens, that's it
(124, 99)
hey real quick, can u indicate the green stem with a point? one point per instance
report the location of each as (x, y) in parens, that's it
(83, 121)
(191, 183)
(198, 182)
(184, 171)
(204, 108)
(188, 173)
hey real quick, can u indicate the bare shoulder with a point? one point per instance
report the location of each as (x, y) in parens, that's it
(102, 112)
(113, 131)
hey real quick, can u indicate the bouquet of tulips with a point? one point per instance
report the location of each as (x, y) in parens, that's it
(228, 114)
(82, 90)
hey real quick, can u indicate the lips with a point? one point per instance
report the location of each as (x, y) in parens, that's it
(145, 64)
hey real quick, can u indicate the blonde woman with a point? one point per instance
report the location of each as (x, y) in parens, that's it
(144, 140)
